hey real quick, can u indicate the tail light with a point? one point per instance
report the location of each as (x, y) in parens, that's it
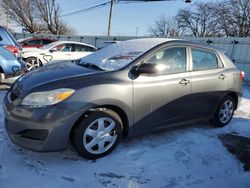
(242, 75)
(13, 49)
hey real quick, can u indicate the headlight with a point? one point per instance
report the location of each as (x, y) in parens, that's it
(45, 98)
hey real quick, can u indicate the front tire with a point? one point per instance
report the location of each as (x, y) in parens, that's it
(224, 111)
(97, 134)
(32, 63)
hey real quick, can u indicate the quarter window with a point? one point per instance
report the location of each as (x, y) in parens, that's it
(203, 60)
(170, 60)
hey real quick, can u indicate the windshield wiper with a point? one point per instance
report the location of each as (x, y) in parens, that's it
(88, 65)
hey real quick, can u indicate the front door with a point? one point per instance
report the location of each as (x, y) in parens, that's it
(163, 98)
(62, 52)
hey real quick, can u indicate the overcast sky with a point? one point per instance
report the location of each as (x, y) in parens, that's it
(126, 17)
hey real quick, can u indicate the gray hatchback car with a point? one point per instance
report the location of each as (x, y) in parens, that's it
(127, 88)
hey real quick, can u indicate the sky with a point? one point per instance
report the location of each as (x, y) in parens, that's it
(128, 18)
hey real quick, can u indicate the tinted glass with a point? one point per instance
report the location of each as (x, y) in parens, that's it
(82, 48)
(64, 48)
(33, 42)
(7, 38)
(203, 59)
(170, 60)
(45, 42)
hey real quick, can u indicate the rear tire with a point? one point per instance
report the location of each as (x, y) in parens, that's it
(97, 134)
(224, 112)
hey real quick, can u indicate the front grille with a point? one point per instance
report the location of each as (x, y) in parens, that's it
(34, 134)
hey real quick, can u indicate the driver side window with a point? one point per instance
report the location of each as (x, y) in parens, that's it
(169, 61)
(64, 48)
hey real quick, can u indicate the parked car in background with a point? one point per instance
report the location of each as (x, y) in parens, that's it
(130, 87)
(35, 42)
(11, 63)
(56, 51)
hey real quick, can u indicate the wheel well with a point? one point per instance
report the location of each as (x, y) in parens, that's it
(235, 97)
(1, 70)
(116, 109)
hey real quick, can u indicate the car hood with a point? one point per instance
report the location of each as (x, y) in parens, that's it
(54, 72)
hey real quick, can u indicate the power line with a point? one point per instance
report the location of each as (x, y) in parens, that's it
(109, 2)
(87, 9)
(73, 6)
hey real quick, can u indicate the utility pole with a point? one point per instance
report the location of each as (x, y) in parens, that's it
(136, 31)
(110, 16)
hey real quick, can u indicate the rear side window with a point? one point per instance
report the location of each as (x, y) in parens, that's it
(203, 60)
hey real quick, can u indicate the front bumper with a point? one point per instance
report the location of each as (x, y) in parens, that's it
(39, 129)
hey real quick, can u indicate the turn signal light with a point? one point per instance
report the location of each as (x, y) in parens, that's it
(242, 75)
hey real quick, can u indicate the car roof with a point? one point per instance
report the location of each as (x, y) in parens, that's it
(159, 41)
(71, 42)
(35, 38)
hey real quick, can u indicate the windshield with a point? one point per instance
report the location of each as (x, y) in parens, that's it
(117, 56)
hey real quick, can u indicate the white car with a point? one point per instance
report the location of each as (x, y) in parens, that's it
(56, 51)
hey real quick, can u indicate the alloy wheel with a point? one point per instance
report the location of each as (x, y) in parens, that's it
(226, 111)
(32, 63)
(100, 135)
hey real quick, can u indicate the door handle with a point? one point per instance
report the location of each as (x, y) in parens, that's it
(184, 82)
(222, 76)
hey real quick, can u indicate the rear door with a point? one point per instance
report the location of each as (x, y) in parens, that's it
(163, 98)
(209, 81)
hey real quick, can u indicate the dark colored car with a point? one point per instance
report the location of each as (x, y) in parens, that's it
(35, 42)
(127, 88)
(11, 63)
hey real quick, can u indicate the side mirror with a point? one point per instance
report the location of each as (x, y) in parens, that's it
(1, 38)
(52, 50)
(146, 68)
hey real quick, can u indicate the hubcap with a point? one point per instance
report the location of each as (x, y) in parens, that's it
(100, 135)
(32, 64)
(226, 111)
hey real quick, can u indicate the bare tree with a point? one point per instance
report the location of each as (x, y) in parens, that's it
(234, 17)
(201, 21)
(165, 27)
(22, 11)
(49, 13)
(37, 15)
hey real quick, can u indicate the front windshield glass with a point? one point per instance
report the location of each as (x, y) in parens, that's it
(117, 56)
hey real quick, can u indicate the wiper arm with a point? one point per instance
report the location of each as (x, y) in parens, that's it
(77, 61)
(90, 65)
